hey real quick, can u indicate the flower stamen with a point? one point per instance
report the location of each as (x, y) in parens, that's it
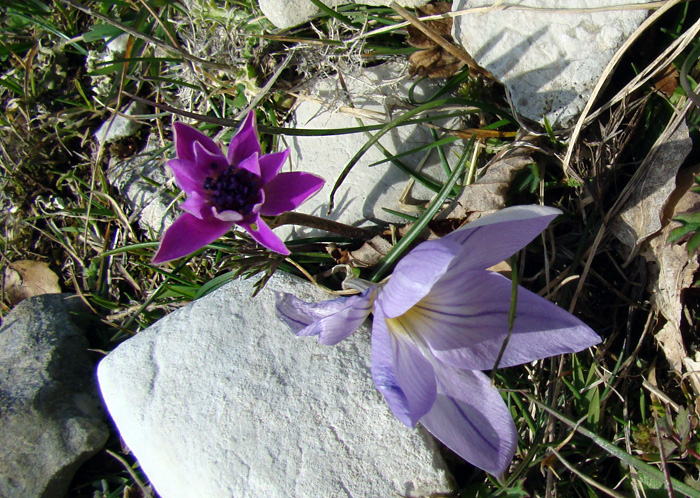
(234, 189)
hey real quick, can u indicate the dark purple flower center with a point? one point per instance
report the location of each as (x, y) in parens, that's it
(234, 189)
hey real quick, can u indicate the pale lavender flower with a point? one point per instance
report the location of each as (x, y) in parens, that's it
(440, 320)
(226, 190)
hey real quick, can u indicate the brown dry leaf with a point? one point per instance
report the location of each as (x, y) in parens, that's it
(692, 366)
(672, 272)
(371, 252)
(443, 27)
(374, 250)
(26, 278)
(488, 193)
(641, 215)
(667, 80)
(433, 61)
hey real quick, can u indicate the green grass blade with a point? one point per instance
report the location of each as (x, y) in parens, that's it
(214, 284)
(684, 76)
(397, 251)
(388, 127)
(432, 145)
(405, 216)
(637, 464)
(334, 14)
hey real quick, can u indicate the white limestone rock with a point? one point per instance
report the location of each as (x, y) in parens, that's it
(135, 177)
(367, 189)
(113, 130)
(220, 399)
(550, 61)
(289, 13)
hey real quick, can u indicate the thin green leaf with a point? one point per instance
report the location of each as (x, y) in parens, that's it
(101, 31)
(423, 180)
(678, 233)
(401, 215)
(130, 248)
(689, 218)
(334, 14)
(686, 82)
(214, 284)
(12, 86)
(432, 145)
(693, 243)
(640, 466)
(396, 122)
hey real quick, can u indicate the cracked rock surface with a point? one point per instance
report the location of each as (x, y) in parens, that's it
(549, 59)
(220, 399)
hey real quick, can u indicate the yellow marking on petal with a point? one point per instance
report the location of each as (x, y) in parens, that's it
(404, 325)
(407, 328)
(254, 227)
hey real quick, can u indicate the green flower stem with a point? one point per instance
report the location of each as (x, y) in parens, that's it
(511, 313)
(311, 221)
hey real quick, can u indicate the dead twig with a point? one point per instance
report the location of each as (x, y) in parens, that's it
(474, 68)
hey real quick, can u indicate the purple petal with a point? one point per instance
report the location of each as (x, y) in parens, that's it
(470, 417)
(190, 174)
(251, 163)
(185, 139)
(245, 143)
(332, 321)
(270, 165)
(186, 175)
(416, 274)
(188, 234)
(464, 320)
(493, 238)
(400, 371)
(263, 235)
(288, 190)
(196, 205)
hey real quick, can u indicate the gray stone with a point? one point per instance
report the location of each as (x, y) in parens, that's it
(149, 204)
(375, 92)
(103, 84)
(550, 61)
(220, 399)
(289, 13)
(50, 417)
(120, 127)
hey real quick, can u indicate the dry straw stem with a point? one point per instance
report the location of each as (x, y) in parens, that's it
(460, 54)
(664, 461)
(381, 117)
(639, 175)
(265, 89)
(652, 69)
(516, 7)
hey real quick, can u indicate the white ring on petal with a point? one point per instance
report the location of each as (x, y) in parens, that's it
(232, 216)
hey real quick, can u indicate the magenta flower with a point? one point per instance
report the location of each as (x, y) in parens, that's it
(440, 320)
(227, 190)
